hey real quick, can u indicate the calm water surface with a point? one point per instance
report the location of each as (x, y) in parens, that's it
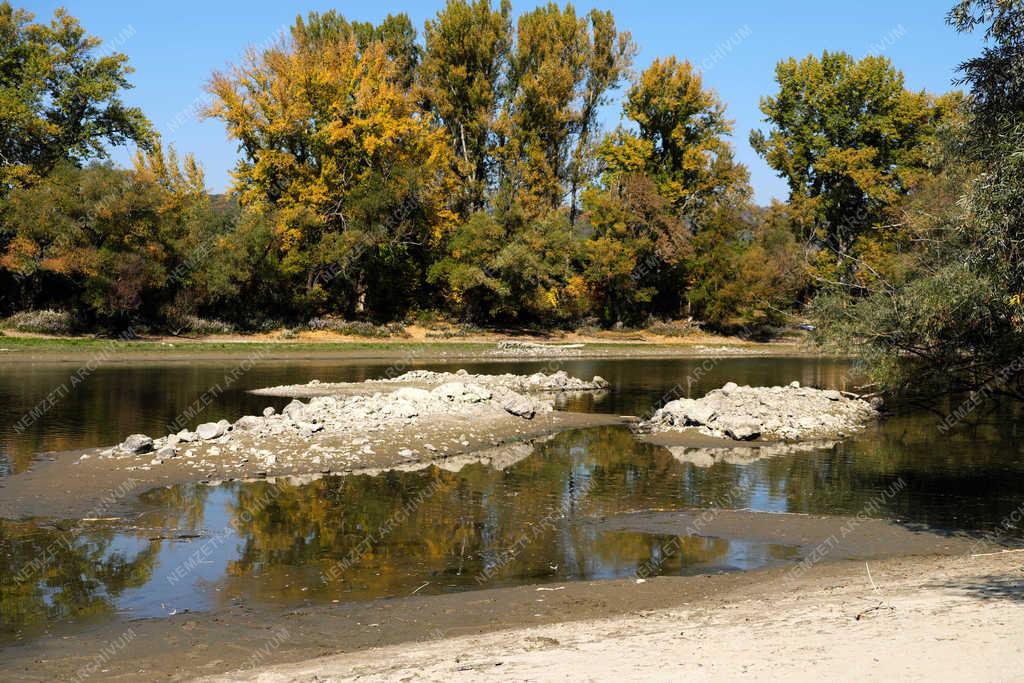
(343, 539)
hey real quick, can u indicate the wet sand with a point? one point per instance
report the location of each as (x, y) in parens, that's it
(934, 619)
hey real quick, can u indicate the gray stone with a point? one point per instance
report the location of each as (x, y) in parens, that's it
(741, 428)
(137, 443)
(518, 405)
(294, 410)
(832, 395)
(729, 388)
(210, 430)
(186, 436)
(166, 453)
(249, 422)
(268, 411)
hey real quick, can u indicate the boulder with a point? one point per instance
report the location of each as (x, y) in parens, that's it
(166, 453)
(249, 422)
(462, 393)
(518, 405)
(137, 443)
(729, 388)
(295, 411)
(740, 428)
(211, 430)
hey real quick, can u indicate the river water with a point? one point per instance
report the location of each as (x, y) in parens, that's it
(344, 539)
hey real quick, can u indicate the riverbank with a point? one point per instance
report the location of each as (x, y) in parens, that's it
(935, 619)
(900, 621)
(17, 347)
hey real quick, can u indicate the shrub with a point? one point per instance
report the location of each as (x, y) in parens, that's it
(674, 328)
(197, 325)
(43, 322)
(357, 328)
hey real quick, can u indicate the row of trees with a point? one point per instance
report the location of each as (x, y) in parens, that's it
(468, 167)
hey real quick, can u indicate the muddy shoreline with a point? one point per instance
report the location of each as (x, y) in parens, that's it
(235, 639)
(58, 350)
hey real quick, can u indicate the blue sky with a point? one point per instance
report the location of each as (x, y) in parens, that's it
(173, 48)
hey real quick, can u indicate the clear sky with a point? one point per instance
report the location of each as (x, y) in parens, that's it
(174, 46)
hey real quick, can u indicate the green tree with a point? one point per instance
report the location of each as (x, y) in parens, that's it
(954, 320)
(664, 186)
(105, 241)
(561, 70)
(848, 137)
(466, 59)
(680, 139)
(59, 100)
(512, 269)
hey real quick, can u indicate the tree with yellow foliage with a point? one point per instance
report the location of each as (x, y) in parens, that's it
(338, 154)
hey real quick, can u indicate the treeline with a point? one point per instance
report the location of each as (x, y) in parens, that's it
(463, 169)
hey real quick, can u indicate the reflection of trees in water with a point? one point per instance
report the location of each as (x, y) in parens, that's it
(47, 576)
(470, 521)
(177, 507)
(969, 480)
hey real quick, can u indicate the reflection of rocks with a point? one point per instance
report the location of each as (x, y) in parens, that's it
(558, 382)
(498, 458)
(706, 457)
(746, 413)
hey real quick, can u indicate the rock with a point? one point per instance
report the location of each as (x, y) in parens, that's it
(832, 395)
(166, 453)
(687, 412)
(210, 430)
(518, 405)
(186, 436)
(294, 410)
(248, 422)
(268, 411)
(137, 443)
(600, 382)
(794, 385)
(729, 388)
(741, 428)
(463, 393)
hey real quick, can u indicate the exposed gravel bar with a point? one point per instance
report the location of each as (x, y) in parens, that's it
(536, 383)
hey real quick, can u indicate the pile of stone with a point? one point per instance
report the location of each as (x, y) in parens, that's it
(537, 382)
(557, 382)
(348, 415)
(748, 413)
